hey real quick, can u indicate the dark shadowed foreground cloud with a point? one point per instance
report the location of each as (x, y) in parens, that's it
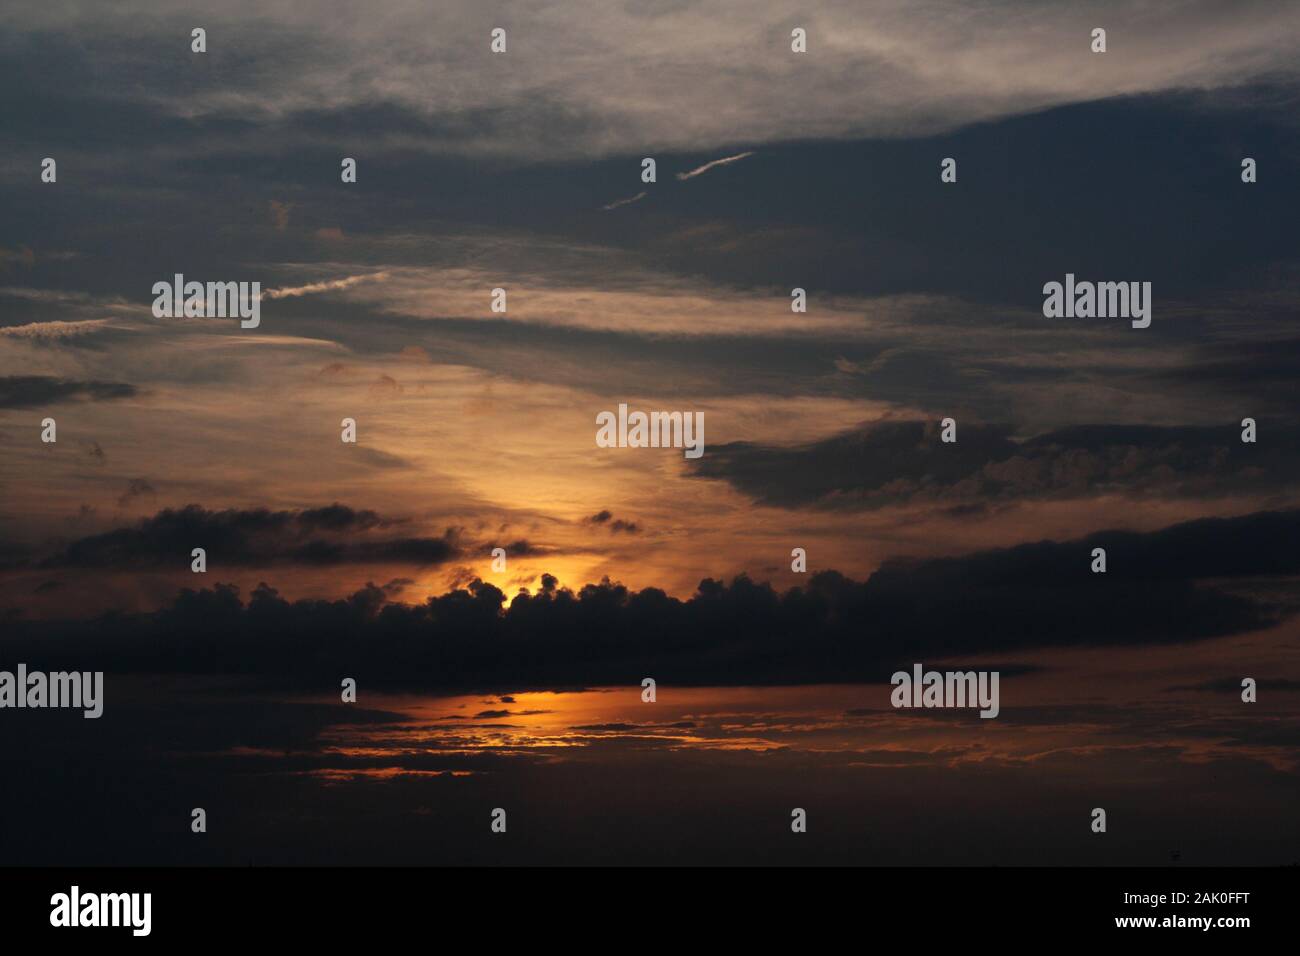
(253, 537)
(894, 462)
(31, 391)
(1260, 371)
(1158, 589)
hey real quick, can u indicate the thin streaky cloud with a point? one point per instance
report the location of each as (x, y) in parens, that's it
(55, 296)
(725, 160)
(625, 202)
(54, 329)
(333, 285)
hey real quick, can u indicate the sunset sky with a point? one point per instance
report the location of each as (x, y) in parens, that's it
(476, 429)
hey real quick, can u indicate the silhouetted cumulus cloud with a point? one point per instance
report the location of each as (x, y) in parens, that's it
(605, 519)
(832, 629)
(895, 462)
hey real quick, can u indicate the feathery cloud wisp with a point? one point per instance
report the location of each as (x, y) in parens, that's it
(332, 285)
(54, 329)
(625, 202)
(725, 160)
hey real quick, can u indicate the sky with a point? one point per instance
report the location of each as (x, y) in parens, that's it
(476, 429)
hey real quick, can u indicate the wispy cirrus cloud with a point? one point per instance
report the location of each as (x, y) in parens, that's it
(331, 285)
(724, 161)
(55, 329)
(625, 202)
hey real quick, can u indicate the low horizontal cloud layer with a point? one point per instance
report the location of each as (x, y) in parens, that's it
(32, 391)
(256, 537)
(895, 462)
(834, 629)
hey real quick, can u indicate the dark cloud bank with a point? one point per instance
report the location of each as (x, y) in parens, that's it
(332, 535)
(1187, 582)
(32, 391)
(894, 462)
